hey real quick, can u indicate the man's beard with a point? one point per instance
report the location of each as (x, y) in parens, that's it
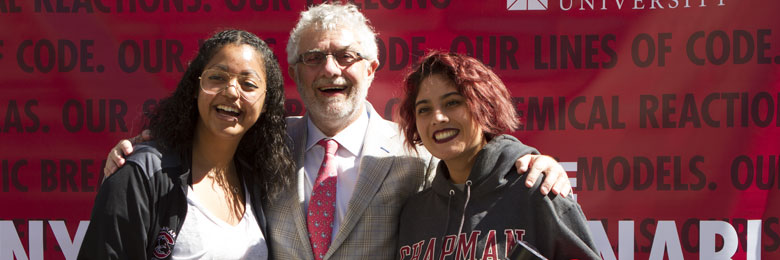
(333, 108)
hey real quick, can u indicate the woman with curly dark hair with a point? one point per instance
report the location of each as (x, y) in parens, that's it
(458, 109)
(195, 192)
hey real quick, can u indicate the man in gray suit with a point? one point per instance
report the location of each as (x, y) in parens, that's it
(332, 56)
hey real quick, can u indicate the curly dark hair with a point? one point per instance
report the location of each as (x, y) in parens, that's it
(486, 96)
(263, 147)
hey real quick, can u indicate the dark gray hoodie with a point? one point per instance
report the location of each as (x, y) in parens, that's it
(498, 209)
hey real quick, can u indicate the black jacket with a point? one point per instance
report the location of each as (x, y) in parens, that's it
(141, 208)
(493, 209)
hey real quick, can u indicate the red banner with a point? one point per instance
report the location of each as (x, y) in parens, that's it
(666, 113)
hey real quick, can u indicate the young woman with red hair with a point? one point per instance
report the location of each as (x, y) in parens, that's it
(458, 109)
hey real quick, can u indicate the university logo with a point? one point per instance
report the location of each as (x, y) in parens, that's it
(523, 5)
(164, 245)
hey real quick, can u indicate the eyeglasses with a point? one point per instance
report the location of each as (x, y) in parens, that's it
(250, 88)
(343, 57)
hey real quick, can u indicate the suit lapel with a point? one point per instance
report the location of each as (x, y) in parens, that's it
(299, 215)
(378, 148)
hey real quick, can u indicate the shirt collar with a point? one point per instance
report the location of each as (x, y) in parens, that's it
(351, 138)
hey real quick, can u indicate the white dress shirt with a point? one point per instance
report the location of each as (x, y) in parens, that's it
(347, 158)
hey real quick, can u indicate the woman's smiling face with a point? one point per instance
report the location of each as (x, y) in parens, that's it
(444, 121)
(225, 113)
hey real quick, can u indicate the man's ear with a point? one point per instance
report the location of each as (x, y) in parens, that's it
(372, 66)
(291, 72)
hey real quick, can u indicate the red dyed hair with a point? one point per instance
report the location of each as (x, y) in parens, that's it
(486, 96)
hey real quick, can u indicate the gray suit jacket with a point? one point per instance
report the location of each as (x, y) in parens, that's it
(388, 175)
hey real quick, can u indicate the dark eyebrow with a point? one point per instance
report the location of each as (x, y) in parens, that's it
(421, 102)
(252, 72)
(225, 69)
(218, 66)
(450, 94)
(442, 97)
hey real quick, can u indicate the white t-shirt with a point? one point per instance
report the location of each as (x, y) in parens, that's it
(204, 236)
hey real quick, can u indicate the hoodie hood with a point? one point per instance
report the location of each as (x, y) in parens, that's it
(495, 160)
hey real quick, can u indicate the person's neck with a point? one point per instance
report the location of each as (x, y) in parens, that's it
(459, 167)
(212, 155)
(331, 127)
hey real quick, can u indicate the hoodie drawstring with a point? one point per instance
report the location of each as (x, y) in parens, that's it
(463, 214)
(447, 223)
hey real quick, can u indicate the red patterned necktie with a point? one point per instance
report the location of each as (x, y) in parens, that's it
(322, 204)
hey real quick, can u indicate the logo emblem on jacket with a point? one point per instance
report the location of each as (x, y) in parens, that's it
(163, 246)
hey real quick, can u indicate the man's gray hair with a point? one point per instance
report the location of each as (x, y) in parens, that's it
(326, 17)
